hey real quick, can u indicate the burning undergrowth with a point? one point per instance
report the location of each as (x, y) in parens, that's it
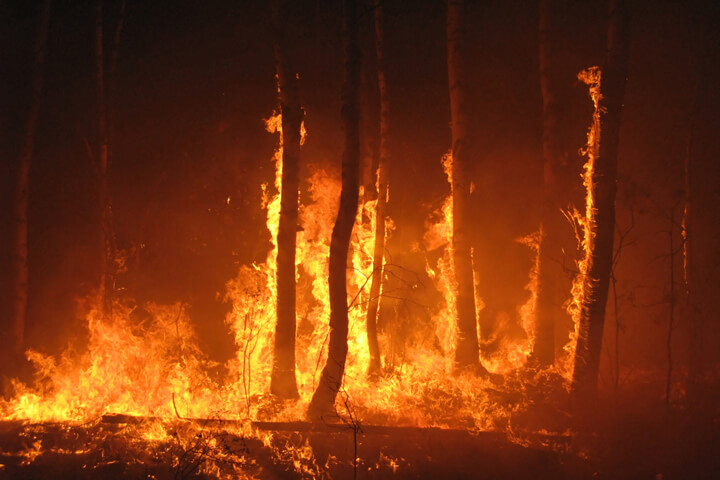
(142, 400)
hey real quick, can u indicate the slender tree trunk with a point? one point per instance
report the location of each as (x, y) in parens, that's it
(116, 47)
(700, 31)
(282, 381)
(22, 189)
(107, 237)
(467, 352)
(688, 233)
(112, 79)
(382, 193)
(600, 216)
(671, 301)
(548, 305)
(322, 404)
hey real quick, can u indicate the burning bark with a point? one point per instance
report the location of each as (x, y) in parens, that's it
(322, 403)
(283, 382)
(607, 91)
(22, 189)
(382, 190)
(467, 351)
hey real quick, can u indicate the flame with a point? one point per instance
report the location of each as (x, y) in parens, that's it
(313, 251)
(116, 374)
(513, 352)
(585, 236)
(145, 361)
(439, 234)
(528, 309)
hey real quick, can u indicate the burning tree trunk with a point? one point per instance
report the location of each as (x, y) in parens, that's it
(22, 190)
(323, 400)
(608, 92)
(467, 351)
(283, 382)
(107, 236)
(381, 206)
(548, 305)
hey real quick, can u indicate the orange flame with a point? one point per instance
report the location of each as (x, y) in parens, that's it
(591, 77)
(154, 368)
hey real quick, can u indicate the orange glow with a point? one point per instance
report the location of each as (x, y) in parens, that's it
(153, 367)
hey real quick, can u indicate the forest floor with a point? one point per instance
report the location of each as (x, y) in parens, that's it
(199, 450)
(127, 448)
(634, 436)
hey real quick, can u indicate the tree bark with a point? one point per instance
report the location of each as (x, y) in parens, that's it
(322, 404)
(382, 193)
(548, 304)
(107, 236)
(283, 381)
(22, 189)
(600, 215)
(467, 351)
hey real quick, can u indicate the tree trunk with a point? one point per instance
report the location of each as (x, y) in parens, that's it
(107, 236)
(22, 189)
(116, 46)
(322, 404)
(600, 182)
(700, 42)
(282, 381)
(688, 232)
(112, 78)
(381, 206)
(550, 249)
(466, 353)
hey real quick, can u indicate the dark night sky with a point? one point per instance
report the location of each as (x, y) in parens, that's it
(195, 80)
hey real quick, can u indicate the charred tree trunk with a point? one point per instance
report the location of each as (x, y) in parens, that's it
(467, 351)
(600, 216)
(107, 236)
(22, 190)
(322, 404)
(283, 382)
(549, 251)
(381, 206)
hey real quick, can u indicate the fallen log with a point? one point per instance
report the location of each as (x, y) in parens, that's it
(362, 429)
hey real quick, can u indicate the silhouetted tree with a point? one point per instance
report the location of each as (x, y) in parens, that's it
(283, 382)
(106, 231)
(549, 303)
(382, 192)
(323, 400)
(467, 349)
(600, 216)
(22, 188)
(104, 87)
(700, 43)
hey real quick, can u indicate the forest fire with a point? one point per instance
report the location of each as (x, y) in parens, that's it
(279, 295)
(150, 372)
